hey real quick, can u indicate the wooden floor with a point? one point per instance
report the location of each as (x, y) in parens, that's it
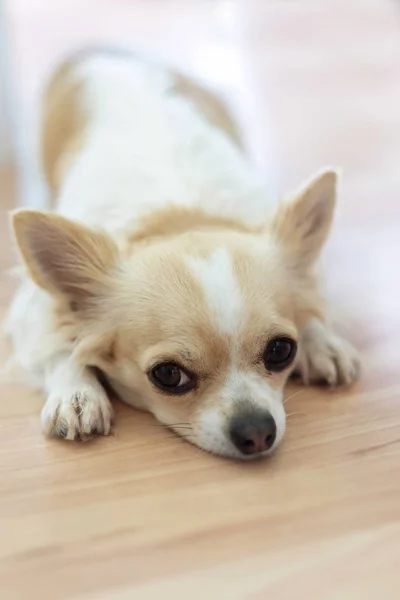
(143, 514)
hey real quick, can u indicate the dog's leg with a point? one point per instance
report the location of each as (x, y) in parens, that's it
(324, 356)
(77, 406)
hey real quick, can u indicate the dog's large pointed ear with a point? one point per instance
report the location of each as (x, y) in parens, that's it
(64, 257)
(302, 223)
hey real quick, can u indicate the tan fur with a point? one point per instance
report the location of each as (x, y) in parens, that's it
(176, 220)
(63, 124)
(209, 105)
(64, 257)
(305, 220)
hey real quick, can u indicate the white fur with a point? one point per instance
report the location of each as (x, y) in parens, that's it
(220, 288)
(211, 434)
(77, 404)
(31, 330)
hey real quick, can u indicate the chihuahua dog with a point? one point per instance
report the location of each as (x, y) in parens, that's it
(167, 272)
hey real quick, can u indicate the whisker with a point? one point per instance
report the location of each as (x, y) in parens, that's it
(163, 426)
(175, 435)
(297, 393)
(297, 413)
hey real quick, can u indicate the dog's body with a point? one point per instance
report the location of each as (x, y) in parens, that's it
(197, 277)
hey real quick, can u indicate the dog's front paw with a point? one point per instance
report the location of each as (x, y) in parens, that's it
(324, 357)
(78, 414)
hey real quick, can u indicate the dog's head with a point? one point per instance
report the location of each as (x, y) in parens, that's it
(197, 323)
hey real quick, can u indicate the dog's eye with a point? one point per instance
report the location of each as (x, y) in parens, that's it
(170, 377)
(279, 354)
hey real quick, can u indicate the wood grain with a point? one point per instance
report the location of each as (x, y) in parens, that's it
(142, 514)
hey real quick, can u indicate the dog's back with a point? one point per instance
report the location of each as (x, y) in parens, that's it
(123, 136)
(63, 115)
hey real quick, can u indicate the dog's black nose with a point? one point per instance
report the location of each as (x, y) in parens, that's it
(253, 432)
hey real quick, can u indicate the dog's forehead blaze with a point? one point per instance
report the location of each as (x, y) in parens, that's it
(220, 289)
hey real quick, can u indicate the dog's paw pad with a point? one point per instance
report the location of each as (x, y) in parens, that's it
(78, 415)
